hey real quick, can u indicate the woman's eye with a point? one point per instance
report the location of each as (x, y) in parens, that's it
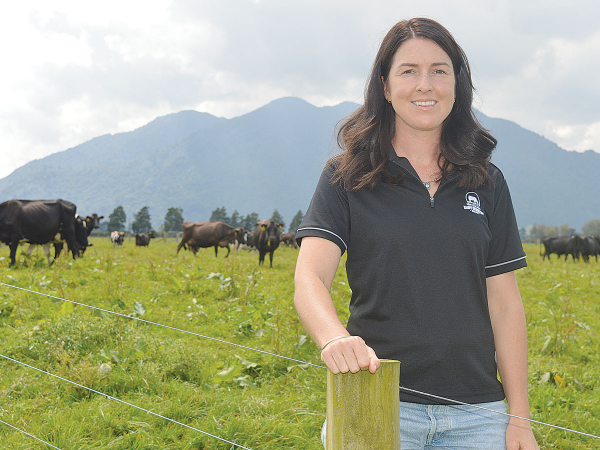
(439, 72)
(409, 71)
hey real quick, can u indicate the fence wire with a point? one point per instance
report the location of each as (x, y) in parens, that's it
(30, 435)
(449, 400)
(160, 325)
(124, 402)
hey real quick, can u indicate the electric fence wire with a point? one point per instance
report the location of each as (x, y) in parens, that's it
(160, 325)
(447, 400)
(30, 435)
(124, 402)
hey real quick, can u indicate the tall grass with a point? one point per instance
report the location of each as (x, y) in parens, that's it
(256, 400)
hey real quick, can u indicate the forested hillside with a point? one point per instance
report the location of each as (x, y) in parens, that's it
(271, 158)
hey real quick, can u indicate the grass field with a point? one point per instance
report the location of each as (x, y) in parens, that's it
(256, 400)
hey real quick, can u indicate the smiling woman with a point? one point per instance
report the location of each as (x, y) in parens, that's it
(432, 246)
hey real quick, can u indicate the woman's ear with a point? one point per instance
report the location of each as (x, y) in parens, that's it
(385, 89)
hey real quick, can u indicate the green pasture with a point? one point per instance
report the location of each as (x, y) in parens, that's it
(256, 400)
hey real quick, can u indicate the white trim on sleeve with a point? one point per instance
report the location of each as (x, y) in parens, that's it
(326, 231)
(507, 262)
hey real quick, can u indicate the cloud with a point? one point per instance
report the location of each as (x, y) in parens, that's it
(79, 70)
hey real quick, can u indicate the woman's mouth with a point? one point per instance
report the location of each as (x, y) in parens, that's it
(424, 102)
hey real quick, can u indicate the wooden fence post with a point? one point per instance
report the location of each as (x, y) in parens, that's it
(363, 409)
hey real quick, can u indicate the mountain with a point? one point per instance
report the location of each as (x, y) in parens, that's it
(547, 183)
(272, 158)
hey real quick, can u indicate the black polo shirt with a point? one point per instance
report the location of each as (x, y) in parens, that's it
(417, 267)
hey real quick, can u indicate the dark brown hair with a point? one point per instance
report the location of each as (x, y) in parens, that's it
(366, 135)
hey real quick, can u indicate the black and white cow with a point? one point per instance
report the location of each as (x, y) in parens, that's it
(38, 222)
(117, 238)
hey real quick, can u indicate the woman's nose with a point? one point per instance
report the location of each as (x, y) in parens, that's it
(424, 85)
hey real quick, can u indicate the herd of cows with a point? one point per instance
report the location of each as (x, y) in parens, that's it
(265, 238)
(56, 222)
(576, 246)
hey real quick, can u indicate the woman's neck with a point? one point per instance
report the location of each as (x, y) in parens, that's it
(421, 149)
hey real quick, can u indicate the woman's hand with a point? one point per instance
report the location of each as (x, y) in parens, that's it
(519, 436)
(349, 354)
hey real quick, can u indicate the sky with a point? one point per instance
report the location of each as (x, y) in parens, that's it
(75, 70)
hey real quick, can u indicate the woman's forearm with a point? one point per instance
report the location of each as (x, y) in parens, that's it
(318, 260)
(510, 338)
(316, 309)
(317, 264)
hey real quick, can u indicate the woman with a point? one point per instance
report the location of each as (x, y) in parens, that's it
(432, 246)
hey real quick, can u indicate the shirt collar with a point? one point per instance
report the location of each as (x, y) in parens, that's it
(401, 161)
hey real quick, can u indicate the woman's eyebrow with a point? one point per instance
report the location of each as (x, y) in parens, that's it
(416, 65)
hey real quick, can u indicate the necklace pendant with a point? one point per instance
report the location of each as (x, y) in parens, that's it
(427, 185)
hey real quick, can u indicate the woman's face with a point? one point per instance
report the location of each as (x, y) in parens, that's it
(420, 86)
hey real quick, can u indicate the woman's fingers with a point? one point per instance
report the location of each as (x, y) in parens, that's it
(350, 355)
(374, 361)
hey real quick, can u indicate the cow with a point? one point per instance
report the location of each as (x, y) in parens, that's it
(208, 234)
(242, 240)
(250, 240)
(590, 247)
(59, 240)
(117, 238)
(38, 222)
(91, 222)
(562, 245)
(289, 240)
(143, 239)
(266, 239)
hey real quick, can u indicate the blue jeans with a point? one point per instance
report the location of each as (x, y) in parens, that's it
(450, 427)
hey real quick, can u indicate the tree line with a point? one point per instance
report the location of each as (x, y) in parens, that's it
(173, 221)
(540, 231)
(141, 220)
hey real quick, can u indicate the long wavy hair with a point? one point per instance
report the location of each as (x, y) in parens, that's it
(366, 135)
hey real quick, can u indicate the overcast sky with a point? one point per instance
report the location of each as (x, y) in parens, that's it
(75, 70)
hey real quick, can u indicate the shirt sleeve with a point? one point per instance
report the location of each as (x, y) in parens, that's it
(506, 251)
(328, 215)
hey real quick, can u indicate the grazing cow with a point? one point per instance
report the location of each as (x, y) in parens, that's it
(59, 240)
(91, 223)
(208, 234)
(117, 238)
(38, 222)
(250, 240)
(289, 240)
(590, 247)
(562, 245)
(143, 239)
(242, 240)
(266, 239)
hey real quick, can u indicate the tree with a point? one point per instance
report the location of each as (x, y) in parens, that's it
(219, 215)
(248, 222)
(276, 217)
(116, 220)
(173, 220)
(539, 231)
(523, 234)
(235, 220)
(591, 228)
(566, 230)
(141, 221)
(296, 221)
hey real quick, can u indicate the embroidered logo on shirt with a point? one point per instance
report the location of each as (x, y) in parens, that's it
(473, 203)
